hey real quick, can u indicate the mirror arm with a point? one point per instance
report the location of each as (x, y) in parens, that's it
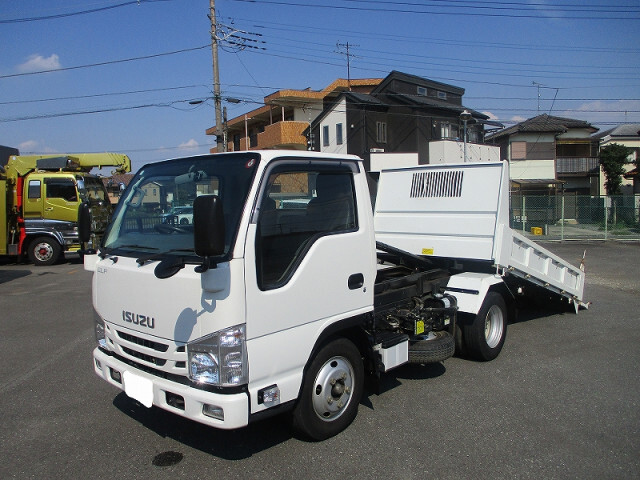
(206, 265)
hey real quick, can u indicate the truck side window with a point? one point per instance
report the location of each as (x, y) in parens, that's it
(61, 188)
(34, 189)
(297, 208)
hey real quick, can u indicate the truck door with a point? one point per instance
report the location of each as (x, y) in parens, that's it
(310, 259)
(61, 199)
(32, 198)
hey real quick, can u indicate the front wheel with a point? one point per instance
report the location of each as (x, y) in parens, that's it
(485, 335)
(331, 391)
(44, 251)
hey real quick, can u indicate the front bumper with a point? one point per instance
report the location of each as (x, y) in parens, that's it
(175, 397)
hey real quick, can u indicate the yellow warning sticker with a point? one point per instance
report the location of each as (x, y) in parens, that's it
(419, 327)
(427, 251)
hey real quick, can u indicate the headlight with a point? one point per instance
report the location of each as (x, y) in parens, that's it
(99, 330)
(219, 359)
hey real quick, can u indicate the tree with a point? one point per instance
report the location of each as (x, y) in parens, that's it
(613, 159)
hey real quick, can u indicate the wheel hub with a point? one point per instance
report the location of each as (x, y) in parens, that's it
(493, 326)
(334, 384)
(43, 252)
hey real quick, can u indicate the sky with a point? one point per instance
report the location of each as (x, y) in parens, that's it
(123, 76)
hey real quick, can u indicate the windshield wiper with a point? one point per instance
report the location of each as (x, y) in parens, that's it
(134, 245)
(104, 251)
(155, 256)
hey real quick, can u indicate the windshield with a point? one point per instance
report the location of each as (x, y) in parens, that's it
(155, 214)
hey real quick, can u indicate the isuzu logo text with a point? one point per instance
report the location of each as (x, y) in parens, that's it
(137, 319)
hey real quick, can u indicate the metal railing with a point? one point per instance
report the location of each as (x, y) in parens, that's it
(565, 165)
(576, 217)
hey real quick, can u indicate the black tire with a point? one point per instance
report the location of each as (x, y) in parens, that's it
(435, 350)
(484, 336)
(331, 391)
(44, 251)
(184, 221)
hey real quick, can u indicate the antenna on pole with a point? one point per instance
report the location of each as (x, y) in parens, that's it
(538, 85)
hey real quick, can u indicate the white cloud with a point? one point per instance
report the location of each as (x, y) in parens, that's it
(491, 116)
(38, 63)
(189, 145)
(28, 146)
(605, 112)
(517, 119)
(33, 147)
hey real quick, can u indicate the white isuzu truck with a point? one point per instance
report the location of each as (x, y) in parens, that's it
(299, 276)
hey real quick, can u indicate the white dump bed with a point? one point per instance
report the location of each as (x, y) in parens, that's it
(462, 211)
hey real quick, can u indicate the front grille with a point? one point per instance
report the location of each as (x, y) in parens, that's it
(143, 356)
(160, 355)
(160, 347)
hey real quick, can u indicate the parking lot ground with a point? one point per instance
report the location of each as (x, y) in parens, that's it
(561, 401)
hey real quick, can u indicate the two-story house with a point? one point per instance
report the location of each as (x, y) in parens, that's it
(402, 114)
(627, 135)
(548, 153)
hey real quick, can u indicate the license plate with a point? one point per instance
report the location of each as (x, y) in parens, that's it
(138, 388)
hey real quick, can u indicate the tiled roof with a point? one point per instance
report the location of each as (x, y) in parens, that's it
(118, 179)
(626, 130)
(544, 124)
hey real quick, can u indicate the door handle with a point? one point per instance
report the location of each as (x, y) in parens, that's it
(356, 281)
(48, 209)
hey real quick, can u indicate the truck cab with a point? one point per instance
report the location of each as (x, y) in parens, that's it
(296, 263)
(50, 206)
(40, 199)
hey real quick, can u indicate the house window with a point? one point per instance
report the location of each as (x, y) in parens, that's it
(448, 131)
(422, 91)
(381, 132)
(445, 130)
(325, 136)
(518, 150)
(442, 95)
(339, 134)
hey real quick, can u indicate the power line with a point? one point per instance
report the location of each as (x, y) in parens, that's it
(76, 13)
(101, 64)
(461, 11)
(278, 27)
(98, 95)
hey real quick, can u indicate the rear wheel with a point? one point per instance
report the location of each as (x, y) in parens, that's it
(485, 335)
(331, 391)
(44, 251)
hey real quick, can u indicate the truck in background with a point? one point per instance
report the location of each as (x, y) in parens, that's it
(40, 196)
(290, 286)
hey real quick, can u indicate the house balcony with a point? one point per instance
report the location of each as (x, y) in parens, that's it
(577, 165)
(286, 135)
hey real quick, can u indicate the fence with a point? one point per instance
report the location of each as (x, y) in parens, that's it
(576, 217)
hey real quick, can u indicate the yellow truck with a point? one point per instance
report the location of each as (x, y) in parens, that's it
(40, 196)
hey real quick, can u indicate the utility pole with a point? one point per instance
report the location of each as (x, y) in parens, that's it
(348, 55)
(217, 100)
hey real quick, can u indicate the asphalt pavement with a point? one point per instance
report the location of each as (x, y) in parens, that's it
(561, 401)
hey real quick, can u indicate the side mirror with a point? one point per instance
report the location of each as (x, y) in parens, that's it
(84, 222)
(208, 227)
